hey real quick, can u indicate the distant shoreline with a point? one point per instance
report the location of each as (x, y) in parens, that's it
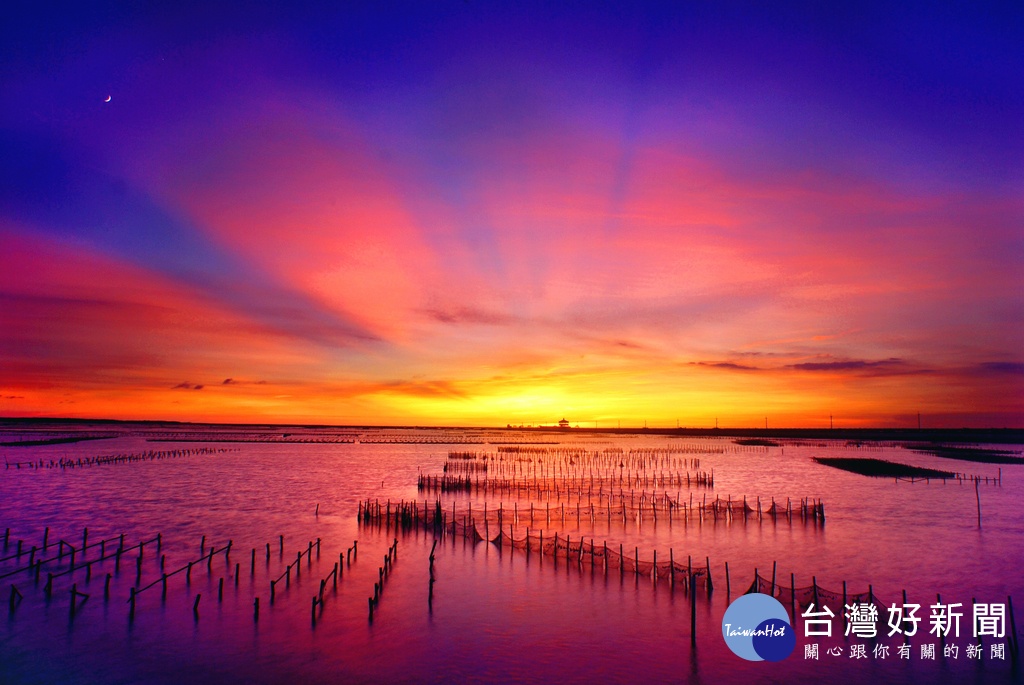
(958, 435)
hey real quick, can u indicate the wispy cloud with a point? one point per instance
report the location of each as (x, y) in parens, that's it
(730, 366)
(1008, 368)
(850, 365)
(469, 315)
(105, 212)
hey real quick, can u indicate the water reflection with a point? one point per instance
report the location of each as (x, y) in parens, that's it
(496, 614)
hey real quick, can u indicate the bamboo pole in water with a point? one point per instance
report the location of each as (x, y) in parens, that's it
(693, 611)
(977, 495)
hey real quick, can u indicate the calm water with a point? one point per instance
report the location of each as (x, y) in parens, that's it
(496, 615)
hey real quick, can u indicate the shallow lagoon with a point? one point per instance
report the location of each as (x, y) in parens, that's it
(496, 614)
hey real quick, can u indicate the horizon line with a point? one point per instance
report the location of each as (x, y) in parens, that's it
(660, 430)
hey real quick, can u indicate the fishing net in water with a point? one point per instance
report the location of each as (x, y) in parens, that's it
(579, 551)
(616, 507)
(807, 595)
(450, 482)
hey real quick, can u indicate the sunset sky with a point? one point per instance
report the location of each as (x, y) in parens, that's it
(481, 213)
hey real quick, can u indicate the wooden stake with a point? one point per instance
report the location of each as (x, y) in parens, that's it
(693, 611)
(977, 495)
(16, 597)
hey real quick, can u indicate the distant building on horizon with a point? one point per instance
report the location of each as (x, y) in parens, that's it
(563, 424)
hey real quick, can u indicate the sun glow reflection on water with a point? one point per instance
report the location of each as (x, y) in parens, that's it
(496, 615)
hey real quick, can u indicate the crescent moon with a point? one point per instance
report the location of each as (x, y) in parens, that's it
(108, 99)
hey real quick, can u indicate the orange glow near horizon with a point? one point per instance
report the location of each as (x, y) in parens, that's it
(98, 337)
(263, 244)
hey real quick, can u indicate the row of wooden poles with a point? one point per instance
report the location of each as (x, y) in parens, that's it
(77, 562)
(259, 440)
(961, 478)
(551, 480)
(814, 594)
(668, 454)
(455, 466)
(450, 440)
(509, 458)
(587, 476)
(65, 548)
(446, 482)
(35, 566)
(690, 581)
(37, 440)
(499, 469)
(407, 515)
(286, 575)
(809, 510)
(344, 559)
(334, 576)
(382, 575)
(109, 459)
(582, 464)
(187, 569)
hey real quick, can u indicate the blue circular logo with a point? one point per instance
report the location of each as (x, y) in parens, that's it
(756, 627)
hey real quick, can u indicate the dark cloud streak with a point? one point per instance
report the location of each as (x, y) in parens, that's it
(728, 365)
(1007, 368)
(852, 365)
